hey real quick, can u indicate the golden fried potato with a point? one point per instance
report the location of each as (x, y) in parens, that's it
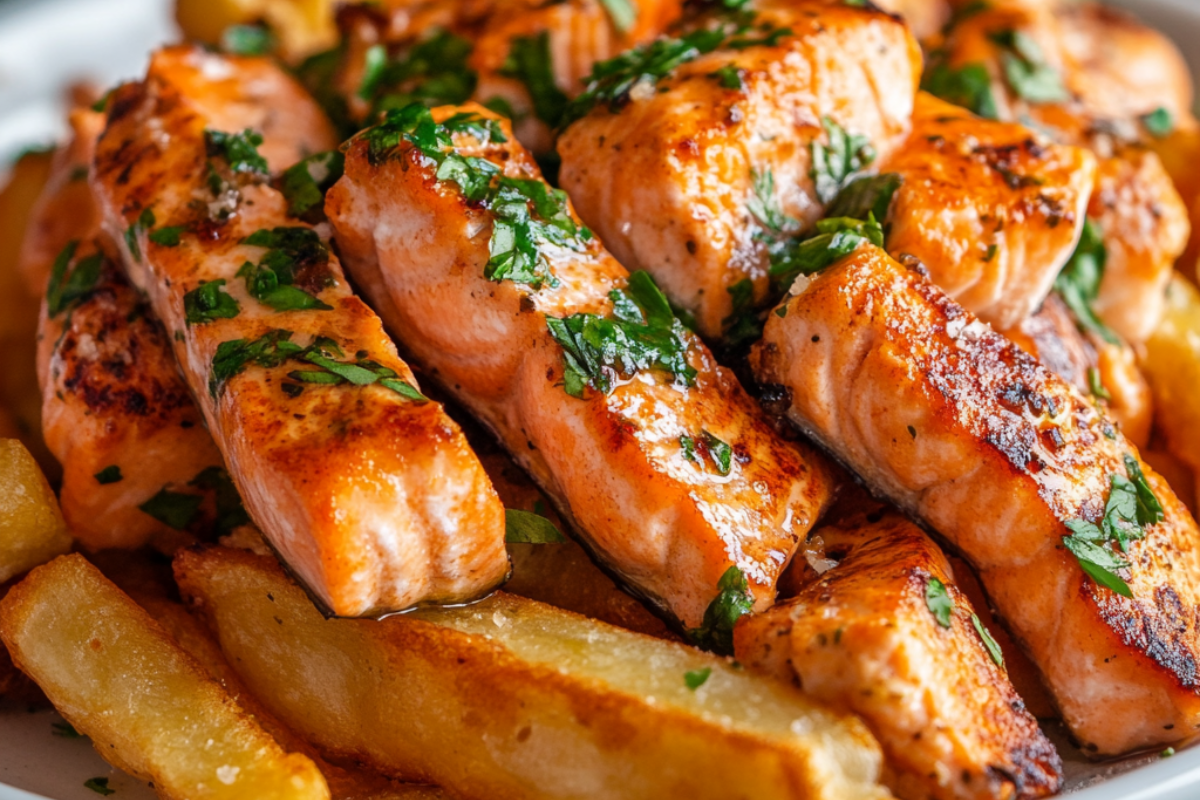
(148, 706)
(1172, 365)
(510, 698)
(303, 27)
(32, 530)
(19, 390)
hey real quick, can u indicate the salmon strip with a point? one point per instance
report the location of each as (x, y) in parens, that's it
(366, 489)
(1013, 466)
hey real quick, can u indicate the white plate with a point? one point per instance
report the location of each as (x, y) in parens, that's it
(46, 45)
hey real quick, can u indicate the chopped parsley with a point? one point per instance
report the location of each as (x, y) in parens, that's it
(208, 302)
(719, 452)
(289, 250)
(743, 324)
(247, 40)
(173, 509)
(732, 601)
(764, 206)
(1096, 386)
(1026, 70)
(623, 13)
(938, 601)
(835, 239)
(169, 236)
(144, 222)
(968, 86)
(530, 62)
(433, 72)
(694, 679)
(99, 786)
(110, 474)
(1159, 123)
(1132, 506)
(524, 527)
(835, 164)
(304, 184)
(230, 511)
(867, 196)
(1079, 282)
(989, 643)
(641, 334)
(69, 286)
(240, 151)
(275, 347)
(728, 76)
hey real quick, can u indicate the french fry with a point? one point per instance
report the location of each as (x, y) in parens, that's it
(510, 698)
(32, 530)
(147, 705)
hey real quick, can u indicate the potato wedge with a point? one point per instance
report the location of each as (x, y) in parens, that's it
(148, 706)
(1172, 365)
(510, 698)
(32, 530)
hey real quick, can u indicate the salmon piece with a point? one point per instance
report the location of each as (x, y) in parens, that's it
(657, 457)
(366, 489)
(963, 430)
(992, 209)
(1089, 362)
(925, 18)
(864, 633)
(1088, 93)
(698, 176)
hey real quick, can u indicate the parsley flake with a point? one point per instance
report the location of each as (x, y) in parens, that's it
(642, 334)
(938, 601)
(524, 527)
(99, 786)
(169, 236)
(1160, 122)
(289, 250)
(110, 474)
(732, 601)
(65, 730)
(743, 325)
(835, 239)
(694, 679)
(728, 76)
(764, 206)
(835, 164)
(433, 72)
(989, 643)
(233, 357)
(304, 184)
(968, 86)
(240, 151)
(144, 222)
(530, 62)
(173, 509)
(866, 196)
(1079, 282)
(1096, 386)
(208, 302)
(1026, 70)
(623, 13)
(247, 40)
(230, 511)
(67, 286)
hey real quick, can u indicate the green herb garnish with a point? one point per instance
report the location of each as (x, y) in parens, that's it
(144, 222)
(641, 334)
(728, 76)
(99, 786)
(623, 13)
(169, 236)
(240, 151)
(247, 40)
(524, 527)
(289, 250)
(1096, 386)
(1026, 70)
(69, 286)
(208, 302)
(988, 642)
(230, 511)
(65, 730)
(732, 601)
(743, 324)
(938, 601)
(110, 474)
(232, 357)
(1079, 282)
(173, 509)
(836, 163)
(969, 86)
(433, 72)
(1160, 122)
(835, 239)
(866, 196)
(694, 679)
(764, 205)
(304, 185)
(530, 62)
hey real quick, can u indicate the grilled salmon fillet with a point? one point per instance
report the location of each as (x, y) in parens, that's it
(367, 490)
(115, 411)
(992, 209)
(650, 450)
(1018, 471)
(698, 175)
(1085, 91)
(884, 631)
